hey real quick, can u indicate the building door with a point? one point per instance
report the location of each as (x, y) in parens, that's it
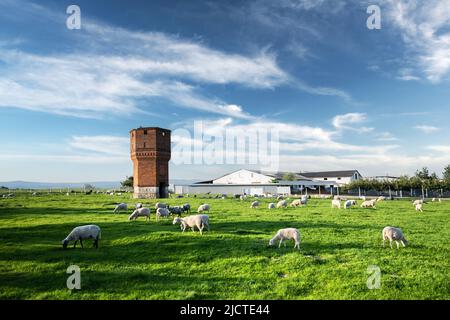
(162, 190)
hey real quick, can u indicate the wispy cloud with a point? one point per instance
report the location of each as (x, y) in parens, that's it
(386, 136)
(424, 27)
(350, 121)
(427, 129)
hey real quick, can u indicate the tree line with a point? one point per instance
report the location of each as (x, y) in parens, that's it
(422, 179)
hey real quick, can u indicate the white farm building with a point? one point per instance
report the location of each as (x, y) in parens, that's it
(252, 182)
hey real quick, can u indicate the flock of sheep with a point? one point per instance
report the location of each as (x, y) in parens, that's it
(200, 221)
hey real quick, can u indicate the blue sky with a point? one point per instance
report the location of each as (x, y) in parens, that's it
(341, 96)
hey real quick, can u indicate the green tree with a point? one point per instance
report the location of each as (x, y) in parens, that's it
(446, 173)
(128, 182)
(289, 176)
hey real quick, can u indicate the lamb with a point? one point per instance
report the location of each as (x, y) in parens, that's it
(83, 232)
(415, 203)
(419, 207)
(162, 212)
(282, 204)
(286, 234)
(142, 212)
(394, 234)
(368, 204)
(160, 205)
(254, 205)
(336, 203)
(203, 208)
(120, 207)
(271, 205)
(200, 221)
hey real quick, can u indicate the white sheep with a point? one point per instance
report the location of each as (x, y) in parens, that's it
(363, 198)
(119, 193)
(83, 232)
(368, 204)
(121, 207)
(282, 204)
(304, 200)
(419, 207)
(336, 203)
(416, 202)
(286, 234)
(279, 198)
(200, 221)
(142, 212)
(254, 205)
(296, 203)
(393, 234)
(162, 212)
(243, 197)
(271, 205)
(381, 198)
(138, 205)
(204, 207)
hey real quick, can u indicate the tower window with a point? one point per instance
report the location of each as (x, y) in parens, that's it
(145, 145)
(145, 131)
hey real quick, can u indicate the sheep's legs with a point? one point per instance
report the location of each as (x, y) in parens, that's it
(81, 243)
(403, 243)
(390, 242)
(75, 244)
(279, 245)
(384, 243)
(398, 245)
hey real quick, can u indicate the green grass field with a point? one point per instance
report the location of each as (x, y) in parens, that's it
(155, 260)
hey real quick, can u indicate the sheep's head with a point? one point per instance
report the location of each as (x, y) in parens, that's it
(65, 242)
(176, 220)
(272, 242)
(133, 215)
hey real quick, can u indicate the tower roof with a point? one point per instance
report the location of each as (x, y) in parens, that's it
(150, 128)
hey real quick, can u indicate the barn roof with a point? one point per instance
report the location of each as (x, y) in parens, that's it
(329, 174)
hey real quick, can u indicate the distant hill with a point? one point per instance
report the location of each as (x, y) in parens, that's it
(73, 185)
(58, 185)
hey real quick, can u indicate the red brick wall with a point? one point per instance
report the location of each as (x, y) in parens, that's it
(150, 153)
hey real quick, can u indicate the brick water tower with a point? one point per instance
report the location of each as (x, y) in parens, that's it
(150, 152)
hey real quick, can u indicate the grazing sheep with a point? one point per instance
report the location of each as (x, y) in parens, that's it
(286, 234)
(142, 212)
(203, 208)
(160, 205)
(368, 204)
(433, 200)
(138, 205)
(279, 198)
(336, 203)
(254, 205)
(119, 194)
(162, 212)
(243, 197)
(187, 207)
(282, 204)
(381, 198)
(83, 232)
(120, 207)
(363, 198)
(296, 203)
(419, 207)
(349, 204)
(415, 203)
(200, 221)
(178, 210)
(304, 200)
(394, 234)
(271, 205)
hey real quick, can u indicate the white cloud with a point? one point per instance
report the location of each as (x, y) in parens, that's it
(386, 136)
(441, 149)
(349, 120)
(427, 129)
(103, 144)
(424, 27)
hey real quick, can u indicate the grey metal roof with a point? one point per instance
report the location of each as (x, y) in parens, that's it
(329, 174)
